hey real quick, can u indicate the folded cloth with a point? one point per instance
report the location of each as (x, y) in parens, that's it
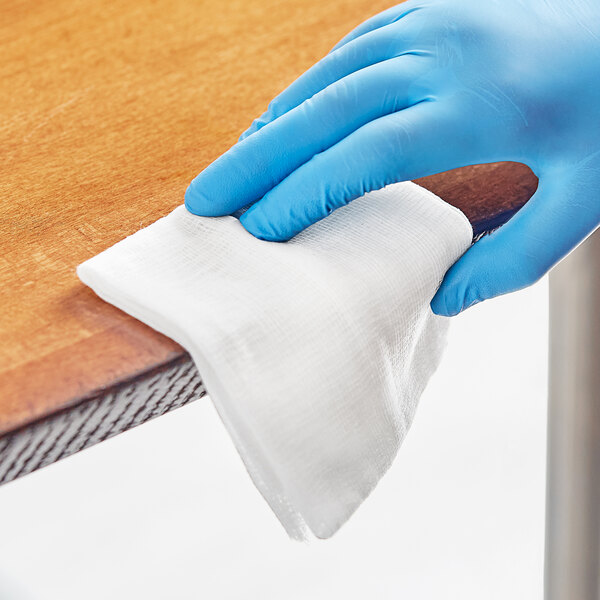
(314, 351)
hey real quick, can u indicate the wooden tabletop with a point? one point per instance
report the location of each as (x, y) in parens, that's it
(108, 110)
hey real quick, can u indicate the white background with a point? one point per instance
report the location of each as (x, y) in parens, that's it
(167, 511)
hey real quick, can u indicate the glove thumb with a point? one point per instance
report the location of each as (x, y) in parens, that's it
(561, 214)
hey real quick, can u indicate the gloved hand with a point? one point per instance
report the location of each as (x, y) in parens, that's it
(424, 87)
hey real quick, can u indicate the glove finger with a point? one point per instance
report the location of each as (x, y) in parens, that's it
(556, 218)
(404, 145)
(387, 17)
(252, 167)
(371, 48)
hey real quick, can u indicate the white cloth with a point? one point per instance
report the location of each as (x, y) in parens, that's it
(314, 351)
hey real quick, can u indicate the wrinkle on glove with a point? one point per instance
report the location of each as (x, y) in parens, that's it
(314, 351)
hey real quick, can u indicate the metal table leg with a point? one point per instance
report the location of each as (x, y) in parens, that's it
(572, 562)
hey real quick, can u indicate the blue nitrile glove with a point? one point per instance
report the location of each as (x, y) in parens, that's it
(425, 87)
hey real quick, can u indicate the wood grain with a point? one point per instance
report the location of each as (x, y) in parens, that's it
(99, 418)
(107, 111)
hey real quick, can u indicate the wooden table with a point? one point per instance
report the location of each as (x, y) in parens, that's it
(108, 109)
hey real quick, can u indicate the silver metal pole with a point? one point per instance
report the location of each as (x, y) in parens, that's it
(572, 562)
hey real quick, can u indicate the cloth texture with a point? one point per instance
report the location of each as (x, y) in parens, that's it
(314, 351)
